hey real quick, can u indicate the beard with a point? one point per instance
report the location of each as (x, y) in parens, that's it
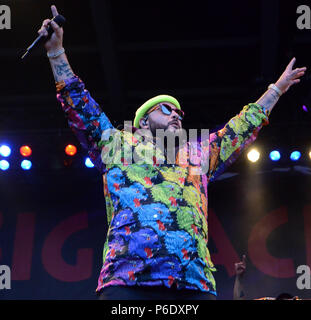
(170, 128)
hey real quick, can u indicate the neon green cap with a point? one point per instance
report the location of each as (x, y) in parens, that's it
(142, 110)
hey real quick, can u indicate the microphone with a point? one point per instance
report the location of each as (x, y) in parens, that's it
(60, 20)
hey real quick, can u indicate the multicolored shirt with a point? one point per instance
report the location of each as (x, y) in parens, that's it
(157, 212)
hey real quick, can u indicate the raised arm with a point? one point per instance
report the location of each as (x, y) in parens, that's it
(289, 77)
(85, 117)
(238, 290)
(242, 130)
(54, 47)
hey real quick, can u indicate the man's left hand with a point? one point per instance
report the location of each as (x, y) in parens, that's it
(290, 76)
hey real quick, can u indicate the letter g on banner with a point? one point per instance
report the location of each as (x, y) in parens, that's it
(52, 258)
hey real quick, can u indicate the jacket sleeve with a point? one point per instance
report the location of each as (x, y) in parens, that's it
(85, 118)
(228, 143)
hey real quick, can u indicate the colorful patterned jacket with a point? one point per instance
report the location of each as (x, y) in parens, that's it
(156, 212)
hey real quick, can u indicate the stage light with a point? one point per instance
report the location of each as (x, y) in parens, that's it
(26, 164)
(310, 154)
(4, 165)
(275, 155)
(25, 151)
(5, 150)
(295, 155)
(71, 150)
(253, 155)
(89, 163)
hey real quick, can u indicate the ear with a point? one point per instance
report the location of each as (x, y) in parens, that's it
(144, 124)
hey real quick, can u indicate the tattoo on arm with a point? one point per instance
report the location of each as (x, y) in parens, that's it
(268, 100)
(61, 69)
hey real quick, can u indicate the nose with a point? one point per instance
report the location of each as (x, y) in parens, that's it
(174, 115)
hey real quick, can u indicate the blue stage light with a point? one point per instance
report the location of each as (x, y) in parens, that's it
(295, 155)
(26, 164)
(5, 150)
(4, 165)
(89, 163)
(275, 155)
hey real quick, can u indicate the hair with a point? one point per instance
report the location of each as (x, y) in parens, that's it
(284, 296)
(144, 118)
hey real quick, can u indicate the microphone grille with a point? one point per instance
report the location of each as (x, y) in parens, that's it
(60, 20)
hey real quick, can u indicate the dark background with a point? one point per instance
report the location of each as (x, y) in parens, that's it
(213, 56)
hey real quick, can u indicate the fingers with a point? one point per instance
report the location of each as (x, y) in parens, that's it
(291, 64)
(54, 11)
(46, 22)
(239, 265)
(294, 75)
(55, 26)
(43, 31)
(298, 73)
(299, 70)
(290, 76)
(302, 69)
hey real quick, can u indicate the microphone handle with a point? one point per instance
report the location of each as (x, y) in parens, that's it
(59, 20)
(42, 38)
(38, 39)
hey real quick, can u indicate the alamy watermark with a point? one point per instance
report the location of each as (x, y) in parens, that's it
(5, 277)
(181, 147)
(5, 17)
(304, 20)
(304, 280)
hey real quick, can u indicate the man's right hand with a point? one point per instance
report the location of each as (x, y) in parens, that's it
(55, 43)
(54, 46)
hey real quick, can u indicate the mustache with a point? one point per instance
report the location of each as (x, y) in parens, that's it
(174, 122)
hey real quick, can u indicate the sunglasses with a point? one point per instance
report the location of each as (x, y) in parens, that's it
(167, 109)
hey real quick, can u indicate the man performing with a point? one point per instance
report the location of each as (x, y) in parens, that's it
(157, 239)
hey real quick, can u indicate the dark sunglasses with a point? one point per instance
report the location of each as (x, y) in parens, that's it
(167, 109)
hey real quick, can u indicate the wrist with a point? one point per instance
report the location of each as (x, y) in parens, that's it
(277, 88)
(281, 86)
(55, 52)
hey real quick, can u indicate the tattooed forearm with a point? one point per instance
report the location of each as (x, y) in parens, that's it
(268, 100)
(61, 68)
